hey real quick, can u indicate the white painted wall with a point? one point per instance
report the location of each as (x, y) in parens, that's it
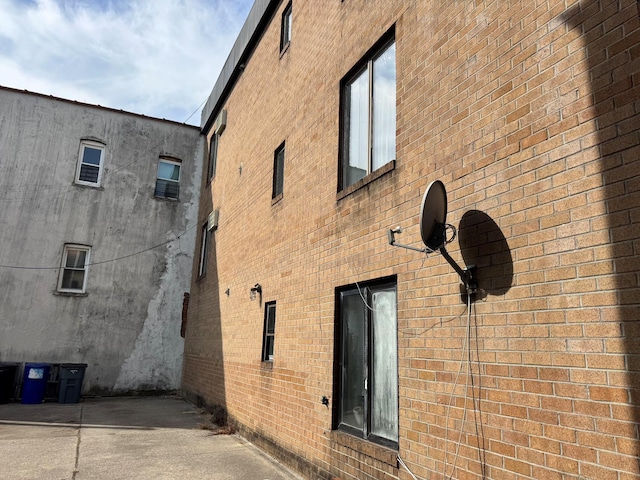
(127, 326)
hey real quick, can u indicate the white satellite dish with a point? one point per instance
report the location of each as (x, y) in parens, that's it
(433, 230)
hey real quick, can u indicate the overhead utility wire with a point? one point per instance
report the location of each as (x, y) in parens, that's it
(19, 267)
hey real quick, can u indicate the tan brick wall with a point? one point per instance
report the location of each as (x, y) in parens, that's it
(528, 112)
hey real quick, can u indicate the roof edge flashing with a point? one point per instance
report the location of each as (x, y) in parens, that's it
(250, 33)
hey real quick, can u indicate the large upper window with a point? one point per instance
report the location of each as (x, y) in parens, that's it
(285, 27)
(268, 338)
(90, 163)
(367, 361)
(278, 172)
(73, 272)
(369, 115)
(168, 181)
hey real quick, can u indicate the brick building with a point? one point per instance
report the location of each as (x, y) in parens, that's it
(359, 360)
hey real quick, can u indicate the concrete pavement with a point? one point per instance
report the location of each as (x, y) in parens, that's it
(124, 438)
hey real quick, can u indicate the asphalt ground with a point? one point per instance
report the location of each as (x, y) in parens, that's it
(125, 438)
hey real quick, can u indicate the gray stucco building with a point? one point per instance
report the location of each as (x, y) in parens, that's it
(98, 209)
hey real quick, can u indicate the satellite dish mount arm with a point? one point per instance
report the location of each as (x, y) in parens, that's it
(466, 275)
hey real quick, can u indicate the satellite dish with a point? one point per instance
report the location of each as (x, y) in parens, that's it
(433, 230)
(433, 216)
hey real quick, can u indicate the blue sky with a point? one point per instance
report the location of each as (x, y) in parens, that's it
(156, 57)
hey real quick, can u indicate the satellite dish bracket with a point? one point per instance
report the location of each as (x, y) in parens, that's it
(466, 274)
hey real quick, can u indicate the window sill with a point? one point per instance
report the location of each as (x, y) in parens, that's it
(88, 186)
(383, 454)
(386, 168)
(166, 199)
(266, 365)
(70, 294)
(276, 199)
(284, 49)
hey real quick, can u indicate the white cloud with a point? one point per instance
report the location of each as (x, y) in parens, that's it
(156, 57)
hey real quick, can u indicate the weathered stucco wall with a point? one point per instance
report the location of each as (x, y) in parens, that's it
(127, 325)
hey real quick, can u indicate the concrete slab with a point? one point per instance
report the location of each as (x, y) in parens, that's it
(124, 438)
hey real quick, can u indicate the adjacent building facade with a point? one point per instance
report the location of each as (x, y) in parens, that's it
(98, 210)
(347, 357)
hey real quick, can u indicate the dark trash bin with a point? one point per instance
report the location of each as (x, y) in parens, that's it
(7, 381)
(70, 376)
(34, 382)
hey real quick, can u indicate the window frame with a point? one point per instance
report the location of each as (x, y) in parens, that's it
(286, 27)
(84, 144)
(213, 157)
(279, 156)
(172, 161)
(63, 268)
(268, 356)
(365, 65)
(205, 238)
(365, 290)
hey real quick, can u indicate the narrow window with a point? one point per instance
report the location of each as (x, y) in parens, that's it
(269, 331)
(89, 171)
(204, 249)
(168, 181)
(73, 272)
(369, 115)
(285, 28)
(278, 172)
(213, 157)
(367, 356)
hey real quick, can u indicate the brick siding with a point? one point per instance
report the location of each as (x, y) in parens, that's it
(529, 114)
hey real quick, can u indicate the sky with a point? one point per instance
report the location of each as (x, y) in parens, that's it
(159, 58)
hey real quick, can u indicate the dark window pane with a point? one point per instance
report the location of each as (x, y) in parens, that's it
(73, 279)
(213, 156)
(75, 258)
(89, 173)
(278, 173)
(166, 189)
(91, 156)
(353, 361)
(268, 354)
(271, 319)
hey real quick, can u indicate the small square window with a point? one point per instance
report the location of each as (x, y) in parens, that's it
(213, 157)
(368, 120)
(278, 172)
(285, 29)
(90, 162)
(168, 181)
(73, 271)
(269, 331)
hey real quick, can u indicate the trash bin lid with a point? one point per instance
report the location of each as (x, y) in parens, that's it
(36, 365)
(73, 365)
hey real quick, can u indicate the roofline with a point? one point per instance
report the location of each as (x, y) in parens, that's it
(254, 27)
(91, 105)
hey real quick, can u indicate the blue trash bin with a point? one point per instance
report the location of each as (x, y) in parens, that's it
(34, 382)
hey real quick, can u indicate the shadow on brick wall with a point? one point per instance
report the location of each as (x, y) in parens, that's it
(483, 244)
(610, 35)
